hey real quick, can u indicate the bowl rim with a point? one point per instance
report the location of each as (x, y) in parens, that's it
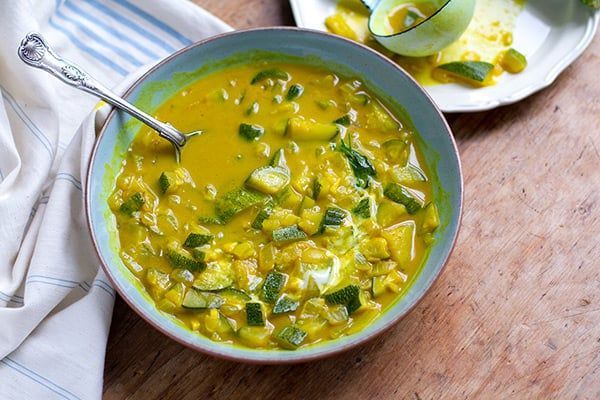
(241, 358)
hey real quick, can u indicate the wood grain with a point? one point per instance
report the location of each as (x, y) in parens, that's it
(516, 312)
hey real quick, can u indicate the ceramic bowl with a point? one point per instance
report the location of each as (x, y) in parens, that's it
(170, 76)
(432, 35)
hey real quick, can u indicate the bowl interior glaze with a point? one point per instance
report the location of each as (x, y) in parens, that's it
(386, 79)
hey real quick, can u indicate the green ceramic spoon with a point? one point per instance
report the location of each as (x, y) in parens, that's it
(431, 35)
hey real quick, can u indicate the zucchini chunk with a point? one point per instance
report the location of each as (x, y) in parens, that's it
(475, 73)
(167, 181)
(513, 61)
(254, 314)
(290, 337)
(251, 132)
(316, 188)
(401, 195)
(279, 160)
(363, 208)
(268, 180)
(397, 151)
(334, 217)
(361, 166)
(348, 296)
(285, 304)
(230, 294)
(288, 234)
(274, 283)
(198, 239)
(302, 129)
(408, 174)
(235, 202)
(212, 280)
(272, 73)
(344, 120)
(294, 92)
(378, 285)
(263, 214)
(132, 204)
(198, 300)
(179, 258)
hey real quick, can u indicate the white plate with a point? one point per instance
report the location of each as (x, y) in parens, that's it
(552, 33)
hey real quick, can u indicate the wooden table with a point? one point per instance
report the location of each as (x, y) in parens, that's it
(516, 312)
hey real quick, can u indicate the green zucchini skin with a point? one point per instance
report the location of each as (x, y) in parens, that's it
(399, 194)
(294, 92)
(132, 204)
(250, 132)
(348, 296)
(180, 258)
(198, 239)
(285, 304)
(363, 208)
(288, 234)
(254, 314)
(291, 337)
(271, 73)
(274, 283)
(333, 217)
(197, 300)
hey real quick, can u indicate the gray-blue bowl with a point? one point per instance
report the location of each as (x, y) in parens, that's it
(394, 86)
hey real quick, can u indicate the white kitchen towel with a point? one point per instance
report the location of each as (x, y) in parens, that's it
(55, 301)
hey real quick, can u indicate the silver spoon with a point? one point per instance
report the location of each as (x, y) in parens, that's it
(35, 51)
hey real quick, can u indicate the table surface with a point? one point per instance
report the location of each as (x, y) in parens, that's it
(516, 311)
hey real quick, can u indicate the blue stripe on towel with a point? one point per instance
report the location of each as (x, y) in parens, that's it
(109, 29)
(27, 122)
(131, 25)
(154, 21)
(97, 39)
(98, 56)
(65, 176)
(34, 376)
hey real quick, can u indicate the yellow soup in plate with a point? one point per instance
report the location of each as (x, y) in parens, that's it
(300, 213)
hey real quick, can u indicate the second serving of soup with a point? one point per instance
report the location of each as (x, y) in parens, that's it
(300, 213)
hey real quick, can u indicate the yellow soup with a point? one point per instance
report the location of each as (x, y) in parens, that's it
(300, 213)
(407, 15)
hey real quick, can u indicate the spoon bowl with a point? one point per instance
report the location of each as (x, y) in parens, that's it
(430, 36)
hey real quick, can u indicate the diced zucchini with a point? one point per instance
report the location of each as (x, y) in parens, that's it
(288, 198)
(251, 132)
(383, 268)
(389, 212)
(294, 92)
(288, 234)
(337, 315)
(475, 73)
(198, 239)
(231, 294)
(132, 204)
(279, 160)
(302, 129)
(214, 321)
(274, 283)
(400, 239)
(264, 213)
(378, 285)
(361, 166)
(397, 151)
(211, 220)
(307, 202)
(316, 188)
(513, 61)
(333, 218)
(401, 195)
(167, 182)
(347, 296)
(431, 220)
(198, 300)
(211, 280)
(269, 180)
(344, 120)
(285, 304)
(255, 336)
(290, 337)
(408, 174)
(255, 314)
(273, 73)
(253, 109)
(363, 208)
(179, 258)
(379, 118)
(198, 253)
(235, 202)
(375, 249)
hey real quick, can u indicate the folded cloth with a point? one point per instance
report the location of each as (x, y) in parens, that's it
(55, 301)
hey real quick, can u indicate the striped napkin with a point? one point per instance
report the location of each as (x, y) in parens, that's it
(55, 301)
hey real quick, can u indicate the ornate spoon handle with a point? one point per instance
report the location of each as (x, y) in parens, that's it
(35, 51)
